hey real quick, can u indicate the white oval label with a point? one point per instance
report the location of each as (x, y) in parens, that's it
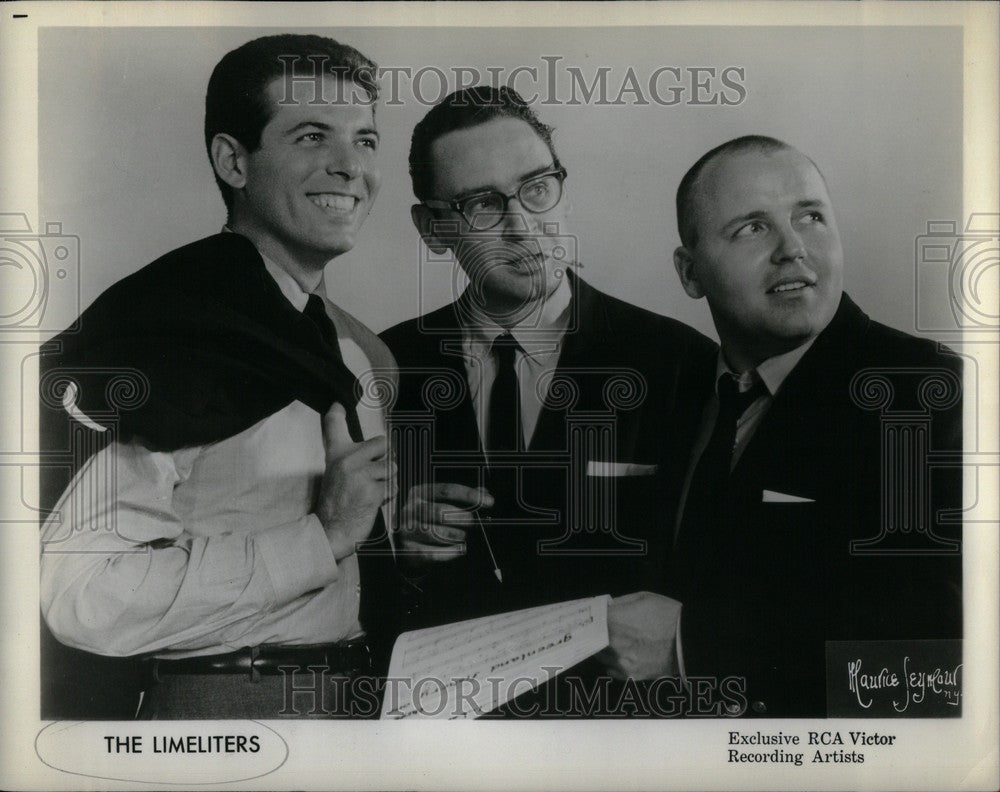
(179, 752)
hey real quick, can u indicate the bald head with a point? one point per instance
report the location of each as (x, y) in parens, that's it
(689, 197)
(761, 245)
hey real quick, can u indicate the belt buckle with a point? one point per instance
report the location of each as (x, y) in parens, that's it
(254, 652)
(359, 656)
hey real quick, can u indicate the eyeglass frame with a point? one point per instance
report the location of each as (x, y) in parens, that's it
(558, 171)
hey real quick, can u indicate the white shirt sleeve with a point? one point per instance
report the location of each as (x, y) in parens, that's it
(120, 575)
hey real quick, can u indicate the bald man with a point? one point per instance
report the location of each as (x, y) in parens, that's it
(787, 535)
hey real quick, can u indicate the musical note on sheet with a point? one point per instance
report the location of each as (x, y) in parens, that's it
(465, 669)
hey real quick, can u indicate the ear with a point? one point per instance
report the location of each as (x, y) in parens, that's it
(423, 218)
(684, 263)
(229, 158)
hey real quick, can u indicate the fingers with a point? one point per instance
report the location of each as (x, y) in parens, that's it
(336, 436)
(433, 523)
(369, 456)
(375, 448)
(359, 455)
(430, 533)
(443, 514)
(612, 663)
(384, 490)
(338, 443)
(435, 535)
(432, 530)
(456, 494)
(416, 552)
(381, 469)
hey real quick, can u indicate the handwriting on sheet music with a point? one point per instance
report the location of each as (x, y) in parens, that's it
(464, 669)
(496, 643)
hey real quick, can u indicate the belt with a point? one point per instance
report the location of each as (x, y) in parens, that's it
(349, 658)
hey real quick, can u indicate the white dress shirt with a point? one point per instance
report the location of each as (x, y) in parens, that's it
(205, 549)
(540, 337)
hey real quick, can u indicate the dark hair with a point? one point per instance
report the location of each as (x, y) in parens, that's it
(686, 221)
(463, 109)
(236, 102)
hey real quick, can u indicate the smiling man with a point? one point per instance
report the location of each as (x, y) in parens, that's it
(802, 521)
(223, 546)
(543, 416)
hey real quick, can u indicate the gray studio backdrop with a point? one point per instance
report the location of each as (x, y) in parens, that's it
(122, 162)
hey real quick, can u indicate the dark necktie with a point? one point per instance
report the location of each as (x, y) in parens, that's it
(716, 460)
(503, 438)
(315, 313)
(375, 559)
(504, 433)
(704, 519)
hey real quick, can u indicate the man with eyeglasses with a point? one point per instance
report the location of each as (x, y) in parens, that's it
(540, 420)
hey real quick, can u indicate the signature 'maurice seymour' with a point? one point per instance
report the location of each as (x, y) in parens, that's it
(913, 683)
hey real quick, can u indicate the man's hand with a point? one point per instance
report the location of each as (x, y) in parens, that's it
(642, 633)
(357, 481)
(433, 522)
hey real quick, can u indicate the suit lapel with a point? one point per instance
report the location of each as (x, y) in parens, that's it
(808, 396)
(460, 432)
(587, 335)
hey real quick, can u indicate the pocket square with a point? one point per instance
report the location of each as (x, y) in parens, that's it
(770, 496)
(612, 469)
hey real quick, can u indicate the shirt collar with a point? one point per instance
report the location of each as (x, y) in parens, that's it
(286, 283)
(552, 316)
(772, 372)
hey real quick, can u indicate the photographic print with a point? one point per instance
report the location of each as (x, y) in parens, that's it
(621, 378)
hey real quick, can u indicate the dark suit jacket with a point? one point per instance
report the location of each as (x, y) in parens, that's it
(764, 590)
(210, 346)
(620, 395)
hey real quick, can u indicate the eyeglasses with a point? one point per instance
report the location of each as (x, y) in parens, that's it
(484, 211)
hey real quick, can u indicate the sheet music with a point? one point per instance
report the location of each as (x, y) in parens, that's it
(465, 669)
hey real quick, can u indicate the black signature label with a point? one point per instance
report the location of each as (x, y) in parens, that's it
(894, 679)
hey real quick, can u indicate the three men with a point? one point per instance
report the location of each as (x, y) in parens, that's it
(804, 519)
(544, 418)
(215, 528)
(545, 426)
